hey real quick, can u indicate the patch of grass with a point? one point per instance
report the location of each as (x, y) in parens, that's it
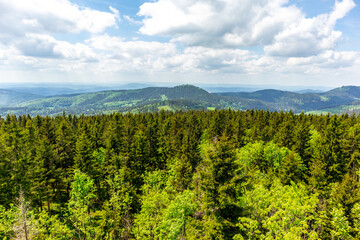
(166, 108)
(164, 97)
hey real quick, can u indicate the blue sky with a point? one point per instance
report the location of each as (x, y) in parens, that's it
(252, 42)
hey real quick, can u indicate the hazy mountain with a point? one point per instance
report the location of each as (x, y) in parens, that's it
(220, 88)
(46, 91)
(124, 97)
(9, 98)
(285, 100)
(129, 86)
(345, 92)
(309, 91)
(184, 97)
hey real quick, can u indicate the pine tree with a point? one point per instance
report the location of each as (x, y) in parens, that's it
(120, 207)
(81, 205)
(83, 159)
(45, 175)
(215, 183)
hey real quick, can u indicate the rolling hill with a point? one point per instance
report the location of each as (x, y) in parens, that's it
(184, 97)
(9, 98)
(297, 102)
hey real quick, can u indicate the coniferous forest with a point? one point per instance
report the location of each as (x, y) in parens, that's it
(184, 175)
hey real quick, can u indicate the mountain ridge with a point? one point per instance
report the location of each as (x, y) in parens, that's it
(10, 98)
(183, 97)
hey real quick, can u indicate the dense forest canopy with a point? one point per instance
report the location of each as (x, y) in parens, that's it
(184, 175)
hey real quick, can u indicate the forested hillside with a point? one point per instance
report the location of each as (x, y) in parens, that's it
(184, 175)
(329, 101)
(184, 97)
(9, 98)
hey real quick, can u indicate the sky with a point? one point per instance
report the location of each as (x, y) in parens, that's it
(243, 42)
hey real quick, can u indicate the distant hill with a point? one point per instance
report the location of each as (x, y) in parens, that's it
(129, 86)
(45, 91)
(184, 97)
(9, 98)
(123, 98)
(118, 100)
(308, 91)
(345, 92)
(285, 100)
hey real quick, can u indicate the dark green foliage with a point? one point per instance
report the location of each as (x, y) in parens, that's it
(220, 174)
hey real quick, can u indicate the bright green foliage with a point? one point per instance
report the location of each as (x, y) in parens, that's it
(355, 214)
(262, 156)
(281, 212)
(50, 227)
(7, 220)
(177, 217)
(340, 224)
(272, 159)
(119, 208)
(81, 205)
(154, 201)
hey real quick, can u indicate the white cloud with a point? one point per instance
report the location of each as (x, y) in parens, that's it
(116, 54)
(18, 17)
(326, 60)
(212, 33)
(45, 46)
(281, 28)
(309, 37)
(116, 13)
(26, 27)
(2, 54)
(105, 54)
(217, 23)
(210, 60)
(133, 49)
(132, 20)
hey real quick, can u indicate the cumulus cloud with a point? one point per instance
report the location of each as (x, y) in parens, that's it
(309, 37)
(327, 60)
(217, 23)
(18, 17)
(134, 49)
(207, 37)
(106, 54)
(45, 46)
(211, 60)
(281, 28)
(27, 26)
(157, 56)
(117, 54)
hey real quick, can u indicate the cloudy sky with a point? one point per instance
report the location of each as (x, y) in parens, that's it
(269, 42)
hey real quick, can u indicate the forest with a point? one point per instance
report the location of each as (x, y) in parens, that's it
(339, 100)
(221, 174)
